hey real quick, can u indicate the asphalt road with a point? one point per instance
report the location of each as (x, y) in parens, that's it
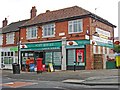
(53, 85)
(53, 81)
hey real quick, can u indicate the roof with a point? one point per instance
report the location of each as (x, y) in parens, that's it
(62, 14)
(13, 26)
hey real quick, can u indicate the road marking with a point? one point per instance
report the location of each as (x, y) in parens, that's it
(73, 81)
(17, 84)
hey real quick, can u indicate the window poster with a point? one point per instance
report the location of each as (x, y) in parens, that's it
(80, 55)
(48, 57)
(71, 57)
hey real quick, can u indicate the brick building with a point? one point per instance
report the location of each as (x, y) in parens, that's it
(67, 37)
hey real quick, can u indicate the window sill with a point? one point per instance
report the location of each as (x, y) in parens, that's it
(48, 36)
(31, 38)
(74, 32)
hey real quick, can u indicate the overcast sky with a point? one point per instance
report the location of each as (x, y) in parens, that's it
(16, 10)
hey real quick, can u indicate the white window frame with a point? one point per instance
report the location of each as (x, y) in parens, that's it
(48, 33)
(71, 26)
(10, 38)
(30, 31)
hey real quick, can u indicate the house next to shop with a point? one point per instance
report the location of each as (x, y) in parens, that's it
(11, 40)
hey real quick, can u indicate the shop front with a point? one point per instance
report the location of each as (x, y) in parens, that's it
(9, 55)
(50, 52)
(76, 54)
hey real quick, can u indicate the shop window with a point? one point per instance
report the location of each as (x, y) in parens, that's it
(57, 58)
(75, 26)
(80, 55)
(71, 57)
(8, 60)
(48, 58)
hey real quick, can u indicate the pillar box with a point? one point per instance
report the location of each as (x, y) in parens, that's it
(39, 65)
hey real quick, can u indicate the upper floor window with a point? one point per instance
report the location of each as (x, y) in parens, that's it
(10, 38)
(32, 32)
(49, 30)
(75, 26)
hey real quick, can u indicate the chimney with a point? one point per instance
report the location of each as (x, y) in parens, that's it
(4, 22)
(33, 12)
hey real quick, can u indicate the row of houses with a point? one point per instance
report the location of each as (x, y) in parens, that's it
(64, 37)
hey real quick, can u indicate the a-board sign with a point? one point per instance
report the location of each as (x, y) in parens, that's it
(51, 67)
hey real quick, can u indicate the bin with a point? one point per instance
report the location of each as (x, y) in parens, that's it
(16, 68)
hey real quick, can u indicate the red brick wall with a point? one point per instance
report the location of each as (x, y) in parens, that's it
(89, 57)
(60, 27)
(89, 48)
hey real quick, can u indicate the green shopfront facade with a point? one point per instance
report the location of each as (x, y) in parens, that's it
(51, 52)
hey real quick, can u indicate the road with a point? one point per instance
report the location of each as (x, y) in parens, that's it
(49, 81)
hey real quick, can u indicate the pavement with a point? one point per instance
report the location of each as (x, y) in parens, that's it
(82, 77)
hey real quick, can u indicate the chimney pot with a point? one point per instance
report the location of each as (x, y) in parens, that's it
(47, 11)
(5, 22)
(33, 12)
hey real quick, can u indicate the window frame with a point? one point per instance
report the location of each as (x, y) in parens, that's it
(10, 38)
(72, 24)
(30, 32)
(50, 26)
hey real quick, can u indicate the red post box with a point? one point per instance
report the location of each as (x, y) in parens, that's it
(39, 65)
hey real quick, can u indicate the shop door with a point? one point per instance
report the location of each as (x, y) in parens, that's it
(98, 61)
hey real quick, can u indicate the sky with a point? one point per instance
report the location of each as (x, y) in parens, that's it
(15, 10)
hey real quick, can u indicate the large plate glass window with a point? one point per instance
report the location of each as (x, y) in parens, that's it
(71, 57)
(48, 58)
(57, 58)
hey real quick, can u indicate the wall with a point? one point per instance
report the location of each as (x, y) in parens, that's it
(61, 28)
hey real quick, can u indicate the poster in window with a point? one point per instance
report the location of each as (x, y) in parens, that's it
(80, 55)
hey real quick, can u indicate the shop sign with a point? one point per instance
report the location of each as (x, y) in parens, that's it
(104, 44)
(45, 48)
(42, 46)
(103, 36)
(78, 42)
(14, 49)
(47, 44)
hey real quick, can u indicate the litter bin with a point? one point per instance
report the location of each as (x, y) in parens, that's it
(16, 68)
